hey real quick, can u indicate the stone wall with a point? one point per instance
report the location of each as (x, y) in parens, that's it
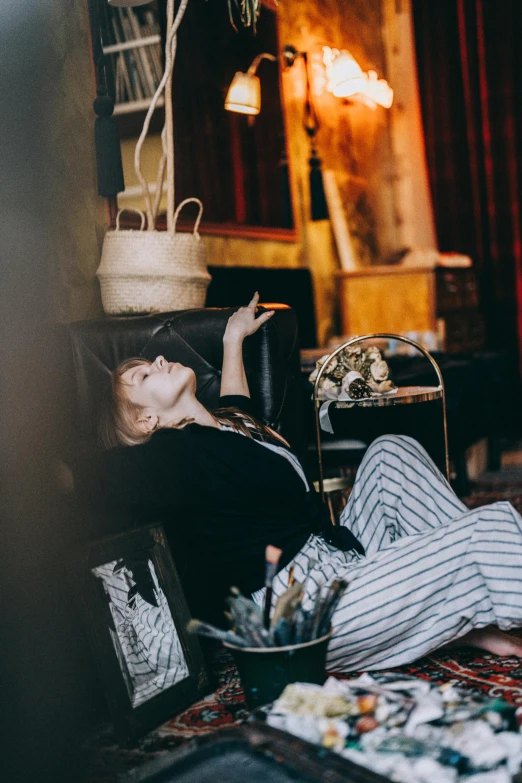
(79, 213)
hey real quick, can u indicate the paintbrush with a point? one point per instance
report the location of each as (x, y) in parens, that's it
(245, 624)
(204, 629)
(315, 615)
(299, 625)
(291, 577)
(281, 633)
(323, 608)
(287, 602)
(272, 555)
(249, 618)
(330, 606)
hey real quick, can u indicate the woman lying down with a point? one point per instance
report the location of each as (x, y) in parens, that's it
(423, 570)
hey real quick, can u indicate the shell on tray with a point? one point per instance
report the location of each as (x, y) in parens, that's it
(368, 362)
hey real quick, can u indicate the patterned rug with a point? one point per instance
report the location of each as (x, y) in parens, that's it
(466, 667)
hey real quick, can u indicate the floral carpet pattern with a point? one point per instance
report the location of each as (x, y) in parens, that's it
(466, 667)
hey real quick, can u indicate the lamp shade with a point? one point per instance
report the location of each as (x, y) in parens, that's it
(244, 94)
(345, 75)
(378, 90)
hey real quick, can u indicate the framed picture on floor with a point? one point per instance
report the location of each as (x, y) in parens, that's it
(151, 666)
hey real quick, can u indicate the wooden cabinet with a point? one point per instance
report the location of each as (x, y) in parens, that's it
(400, 299)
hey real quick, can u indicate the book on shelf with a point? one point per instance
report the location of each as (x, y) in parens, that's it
(150, 28)
(132, 58)
(134, 46)
(148, 82)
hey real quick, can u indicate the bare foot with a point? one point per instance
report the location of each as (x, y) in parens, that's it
(491, 639)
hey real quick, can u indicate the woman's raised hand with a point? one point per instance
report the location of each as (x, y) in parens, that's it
(244, 322)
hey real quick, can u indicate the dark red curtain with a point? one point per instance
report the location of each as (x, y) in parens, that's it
(469, 59)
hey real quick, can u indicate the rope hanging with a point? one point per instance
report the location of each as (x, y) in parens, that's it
(167, 136)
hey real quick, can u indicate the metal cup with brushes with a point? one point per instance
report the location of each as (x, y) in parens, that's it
(274, 648)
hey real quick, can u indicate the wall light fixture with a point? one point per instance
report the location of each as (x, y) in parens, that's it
(345, 75)
(244, 93)
(346, 79)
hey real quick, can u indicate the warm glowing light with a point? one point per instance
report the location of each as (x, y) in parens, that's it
(346, 79)
(244, 94)
(378, 90)
(344, 73)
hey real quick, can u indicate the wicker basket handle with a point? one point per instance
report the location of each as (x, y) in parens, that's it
(130, 209)
(198, 219)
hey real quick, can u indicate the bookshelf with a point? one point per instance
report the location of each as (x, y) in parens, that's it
(133, 46)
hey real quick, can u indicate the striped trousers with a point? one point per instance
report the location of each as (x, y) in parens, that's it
(433, 569)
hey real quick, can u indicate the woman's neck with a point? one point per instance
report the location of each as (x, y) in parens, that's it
(188, 411)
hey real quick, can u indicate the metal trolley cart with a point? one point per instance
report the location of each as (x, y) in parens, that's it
(404, 395)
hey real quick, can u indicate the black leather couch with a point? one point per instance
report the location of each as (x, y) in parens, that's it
(91, 350)
(194, 338)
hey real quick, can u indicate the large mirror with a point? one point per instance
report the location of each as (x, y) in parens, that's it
(236, 164)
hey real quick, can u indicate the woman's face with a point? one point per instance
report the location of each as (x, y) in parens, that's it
(159, 384)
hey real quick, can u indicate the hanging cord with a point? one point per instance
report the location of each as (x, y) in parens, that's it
(161, 175)
(318, 205)
(170, 54)
(311, 120)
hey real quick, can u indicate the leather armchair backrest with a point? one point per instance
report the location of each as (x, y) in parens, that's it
(194, 338)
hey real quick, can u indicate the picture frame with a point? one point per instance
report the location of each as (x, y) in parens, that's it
(137, 615)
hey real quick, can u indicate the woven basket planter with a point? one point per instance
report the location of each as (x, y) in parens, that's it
(150, 271)
(153, 271)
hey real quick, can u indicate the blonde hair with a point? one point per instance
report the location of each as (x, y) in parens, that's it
(120, 416)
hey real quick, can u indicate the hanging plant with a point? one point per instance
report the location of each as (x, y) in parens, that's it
(248, 11)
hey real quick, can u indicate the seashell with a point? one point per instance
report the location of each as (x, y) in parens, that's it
(379, 370)
(381, 387)
(319, 363)
(331, 365)
(329, 390)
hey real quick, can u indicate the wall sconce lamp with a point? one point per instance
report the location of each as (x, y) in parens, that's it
(344, 74)
(346, 79)
(244, 93)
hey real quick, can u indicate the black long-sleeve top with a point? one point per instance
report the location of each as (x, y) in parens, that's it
(222, 497)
